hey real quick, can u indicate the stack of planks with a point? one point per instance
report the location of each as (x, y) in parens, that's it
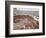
(25, 22)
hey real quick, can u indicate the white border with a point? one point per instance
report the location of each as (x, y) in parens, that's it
(25, 31)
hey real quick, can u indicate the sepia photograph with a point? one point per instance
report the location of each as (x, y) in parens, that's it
(25, 18)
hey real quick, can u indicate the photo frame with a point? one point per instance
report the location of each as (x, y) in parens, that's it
(24, 18)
